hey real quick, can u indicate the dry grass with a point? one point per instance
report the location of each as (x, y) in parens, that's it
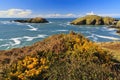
(113, 47)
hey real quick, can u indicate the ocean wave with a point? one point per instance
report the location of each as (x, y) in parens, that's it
(28, 38)
(5, 22)
(1, 39)
(108, 29)
(111, 29)
(4, 45)
(50, 22)
(68, 23)
(60, 30)
(107, 37)
(11, 22)
(16, 41)
(63, 24)
(32, 28)
(94, 38)
(13, 42)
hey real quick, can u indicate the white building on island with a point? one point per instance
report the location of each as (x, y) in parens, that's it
(91, 13)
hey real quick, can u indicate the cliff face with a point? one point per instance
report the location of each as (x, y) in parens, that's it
(93, 20)
(33, 20)
(59, 57)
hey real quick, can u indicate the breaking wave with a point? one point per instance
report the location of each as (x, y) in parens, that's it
(32, 28)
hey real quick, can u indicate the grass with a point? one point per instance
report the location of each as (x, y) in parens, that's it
(113, 47)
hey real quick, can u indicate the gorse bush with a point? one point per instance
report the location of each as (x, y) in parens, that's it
(65, 57)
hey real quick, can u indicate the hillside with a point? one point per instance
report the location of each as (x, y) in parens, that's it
(59, 57)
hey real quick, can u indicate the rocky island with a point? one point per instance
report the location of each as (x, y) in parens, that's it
(33, 20)
(97, 20)
(94, 20)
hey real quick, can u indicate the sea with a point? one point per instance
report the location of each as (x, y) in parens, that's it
(15, 34)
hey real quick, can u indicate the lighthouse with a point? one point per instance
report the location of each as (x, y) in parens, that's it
(91, 13)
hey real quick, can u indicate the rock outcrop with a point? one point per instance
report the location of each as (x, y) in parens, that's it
(118, 24)
(33, 20)
(94, 20)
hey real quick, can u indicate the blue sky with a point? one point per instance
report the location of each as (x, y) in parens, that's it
(58, 8)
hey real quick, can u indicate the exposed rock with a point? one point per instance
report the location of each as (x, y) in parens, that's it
(108, 21)
(33, 20)
(118, 24)
(118, 31)
(94, 20)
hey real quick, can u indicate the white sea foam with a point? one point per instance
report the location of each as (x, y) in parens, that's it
(62, 24)
(111, 29)
(4, 45)
(68, 23)
(95, 39)
(107, 37)
(16, 41)
(1, 39)
(108, 29)
(50, 22)
(18, 23)
(28, 38)
(32, 28)
(42, 36)
(60, 30)
(5, 22)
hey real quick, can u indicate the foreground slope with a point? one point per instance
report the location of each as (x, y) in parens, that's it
(60, 57)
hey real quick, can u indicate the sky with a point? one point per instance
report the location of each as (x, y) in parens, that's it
(58, 8)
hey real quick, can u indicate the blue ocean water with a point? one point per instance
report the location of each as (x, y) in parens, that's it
(14, 34)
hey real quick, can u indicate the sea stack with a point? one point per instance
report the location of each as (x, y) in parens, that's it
(33, 20)
(94, 20)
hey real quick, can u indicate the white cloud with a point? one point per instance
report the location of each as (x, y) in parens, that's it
(111, 15)
(13, 13)
(21, 13)
(69, 15)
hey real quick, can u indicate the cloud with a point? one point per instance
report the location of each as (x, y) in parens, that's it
(69, 15)
(13, 13)
(111, 15)
(25, 13)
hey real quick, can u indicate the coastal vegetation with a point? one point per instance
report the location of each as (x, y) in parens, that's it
(33, 20)
(60, 57)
